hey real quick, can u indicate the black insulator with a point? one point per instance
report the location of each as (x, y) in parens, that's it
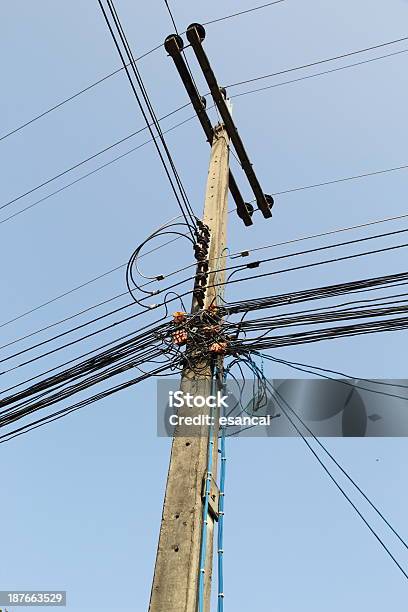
(199, 292)
(204, 265)
(199, 29)
(269, 199)
(173, 44)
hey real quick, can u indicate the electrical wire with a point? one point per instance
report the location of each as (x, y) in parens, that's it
(117, 71)
(177, 186)
(336, 483)
(318, 62)
(84, 161)
(172, 273)
(117, 158)
(318, 74)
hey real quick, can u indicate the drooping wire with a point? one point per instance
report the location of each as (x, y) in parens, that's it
(339, 487)
(285, 407)
(131, 66)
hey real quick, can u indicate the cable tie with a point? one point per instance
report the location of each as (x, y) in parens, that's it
(253, 264)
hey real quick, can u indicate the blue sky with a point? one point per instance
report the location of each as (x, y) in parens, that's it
(81, 498)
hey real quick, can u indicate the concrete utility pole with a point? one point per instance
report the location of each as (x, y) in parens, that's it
(179, 565)
(176, 574)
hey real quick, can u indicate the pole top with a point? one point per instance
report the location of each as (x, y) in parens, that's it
(198, 28)
(173, 44)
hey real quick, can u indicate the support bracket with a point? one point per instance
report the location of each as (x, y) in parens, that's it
(213, 497)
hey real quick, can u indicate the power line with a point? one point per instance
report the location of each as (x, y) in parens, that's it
(251, 10)
(170, 129)
(65, 411)
(322, 61)
(117, 71)
(317, 74)
(336, 483)
(318, 263)
(321, 234)
(322, 373)
(86, 160)
(77, 287)
(342, 180)
(59, 104)
(344, 471)
(233, 255)
(236, 268)
(177, 187)
(81, 178)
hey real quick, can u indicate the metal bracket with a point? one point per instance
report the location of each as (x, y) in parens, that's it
(174, 46)
(213, 498)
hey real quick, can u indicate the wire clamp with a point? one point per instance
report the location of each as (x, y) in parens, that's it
(213, 496)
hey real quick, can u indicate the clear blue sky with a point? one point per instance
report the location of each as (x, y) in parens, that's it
(81, 498)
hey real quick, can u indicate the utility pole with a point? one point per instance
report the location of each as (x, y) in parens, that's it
(176, 574)
(181, 578)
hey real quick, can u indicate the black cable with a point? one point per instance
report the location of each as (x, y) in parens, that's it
(251, 10)
(91, 334)
(317, 293)
(368, 174)
(342, 180)
(57, 415)
(79, 357)
(236, 268)
(317, 74)
(314, 264)
(233, 255)
(84, 161)
(323, 61)
(339, 487)
(178, 192)
(84, 176)
(343, 470)
(107, 76)
(316, 371)
(328, 333)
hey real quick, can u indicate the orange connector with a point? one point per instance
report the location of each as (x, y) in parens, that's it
(179, 317)
(218, 347)
(211, 329)
(179, 337)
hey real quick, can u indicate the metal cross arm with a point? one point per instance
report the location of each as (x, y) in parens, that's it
(195, 36)
(174, 45)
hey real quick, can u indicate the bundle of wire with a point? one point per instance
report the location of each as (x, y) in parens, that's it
(150, 349)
